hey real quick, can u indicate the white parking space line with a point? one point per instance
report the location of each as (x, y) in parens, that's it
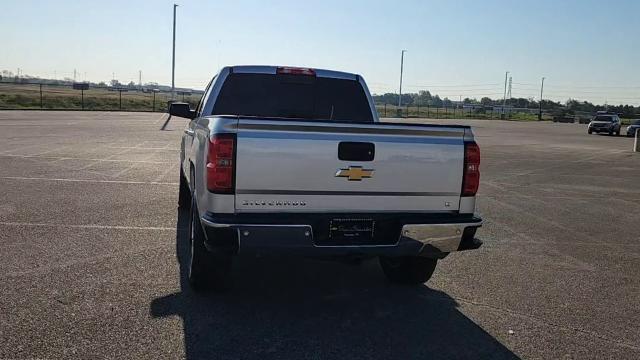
(53, 150)
(144, 148)
(166, 171)
(86, 159)
(89, 226)
(546, 322)
(160, 119)
(90, 180)
(124, 171)
(108, 157)
(131, 167)
(548, 169)
(86, 260)
(20, 148)
(135, 165)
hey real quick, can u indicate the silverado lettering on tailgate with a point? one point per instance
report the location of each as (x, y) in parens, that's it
(274, 203)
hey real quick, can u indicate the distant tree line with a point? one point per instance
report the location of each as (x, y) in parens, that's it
(9, 77)
(571, 106)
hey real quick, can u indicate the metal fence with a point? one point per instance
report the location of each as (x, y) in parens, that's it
(457, 111)
(24, 95)
(476, 111)
(64, 96)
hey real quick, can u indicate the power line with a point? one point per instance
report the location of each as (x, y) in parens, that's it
(582, 92)
(458, 85)
(459, 90)
(469, 95)
(527, 87)
(434, 85)
(449, 89)
(585, 86)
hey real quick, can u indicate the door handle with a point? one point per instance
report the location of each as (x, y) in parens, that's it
(188, 132)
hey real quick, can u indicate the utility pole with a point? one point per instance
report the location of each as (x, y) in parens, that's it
(401, 70)
(504, 98)
(173, 56)
(154, 100)
(541, 89)
(509, 91)
(140, 79)
(74, 75)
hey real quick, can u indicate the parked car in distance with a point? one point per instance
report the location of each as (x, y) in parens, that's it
(606, 123)
(633, 128)
(281, 160)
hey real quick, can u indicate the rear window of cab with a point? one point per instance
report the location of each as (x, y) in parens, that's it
(293, 96)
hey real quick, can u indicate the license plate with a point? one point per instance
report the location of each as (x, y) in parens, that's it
(352, 231)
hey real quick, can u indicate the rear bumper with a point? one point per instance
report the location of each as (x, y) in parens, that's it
(433, 235)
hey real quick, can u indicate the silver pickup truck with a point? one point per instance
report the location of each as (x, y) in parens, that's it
(282, 160)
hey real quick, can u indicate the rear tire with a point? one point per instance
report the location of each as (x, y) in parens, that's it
(184, 194)
(408, 270)
(589, 131)
(206, 270)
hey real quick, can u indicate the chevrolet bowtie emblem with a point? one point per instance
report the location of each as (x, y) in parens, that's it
(355, 173)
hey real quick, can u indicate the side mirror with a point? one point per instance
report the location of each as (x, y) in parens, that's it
(181, 109)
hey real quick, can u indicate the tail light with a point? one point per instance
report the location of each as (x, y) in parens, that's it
(295, 71)
(220, 163)
(471, 173)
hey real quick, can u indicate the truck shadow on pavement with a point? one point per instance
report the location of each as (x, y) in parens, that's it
(299, 308)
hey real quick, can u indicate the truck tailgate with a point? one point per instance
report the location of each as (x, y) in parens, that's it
(295, 166)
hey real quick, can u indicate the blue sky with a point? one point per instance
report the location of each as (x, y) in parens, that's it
(586, 49)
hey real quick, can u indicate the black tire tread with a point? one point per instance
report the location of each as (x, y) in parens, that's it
(207, 271)
(184, 194)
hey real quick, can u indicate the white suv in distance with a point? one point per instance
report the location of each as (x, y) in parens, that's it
(605, 123)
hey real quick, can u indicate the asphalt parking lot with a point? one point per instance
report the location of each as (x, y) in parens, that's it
(92, 257)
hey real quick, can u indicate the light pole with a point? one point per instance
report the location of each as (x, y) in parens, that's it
(504, 99)
(401, 70)
(173, 56)
(541, 89)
